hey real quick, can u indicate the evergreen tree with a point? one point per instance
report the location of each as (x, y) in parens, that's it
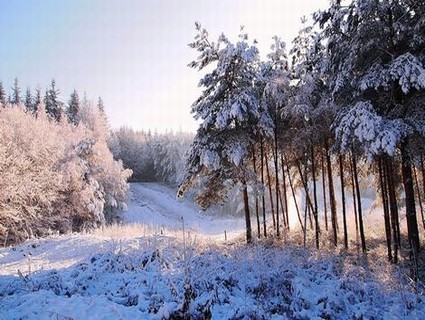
(275, 80)
(100, 105)
(377, 78)
(309, 115)
(230, 111)
(2, 95)
(16, 93)
(53, 105)
(73, 108)
(37, 99)
(102, 111)
(29, 101)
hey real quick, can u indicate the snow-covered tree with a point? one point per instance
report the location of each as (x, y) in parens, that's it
(129, 147)
(94, 119)
(230, 111)
(37, 99)
(168, 154)
(52, 103)
(73, 108)
(108, 173)
(152, 157)
(29, 101)
(100, 105)
(274, 81)
(16, 93)
(309, 115)
(2, 95)
(376, 73)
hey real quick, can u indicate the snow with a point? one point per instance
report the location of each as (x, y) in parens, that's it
(157, 206)
(144, 269)
(406, 69)
(375, 134)
(210, 159)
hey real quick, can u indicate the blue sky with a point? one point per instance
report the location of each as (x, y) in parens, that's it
(132, 53)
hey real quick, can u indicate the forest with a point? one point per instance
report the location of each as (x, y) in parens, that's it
(344, 106)
(310, 130)
(300, 196)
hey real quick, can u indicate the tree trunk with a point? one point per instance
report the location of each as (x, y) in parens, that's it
(276, 168)
(263, 197)
(393, 206)
(423, 176)
(353, 188)
(331, 196)
(412, 223)
(284, 222)
(384, 195)
(285, 197)
(344, 214)
(359, 203)
(306, 209)
(325, 207)
(257, 215)
(295, 198)
(247, 214)
(418, 192)
(270, 191)
(315, 213)
(307, 195)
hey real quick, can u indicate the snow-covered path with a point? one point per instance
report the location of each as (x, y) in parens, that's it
(157, 206)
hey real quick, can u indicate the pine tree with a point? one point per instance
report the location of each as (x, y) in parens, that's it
(309, 115)
(29, 101)
(16, 93)
(377, 78)
(100, 105)
(53, 105)
(37, 99)
(2, 95)
(102, 111)
(230, 111)
(73, 108)
(276, 80)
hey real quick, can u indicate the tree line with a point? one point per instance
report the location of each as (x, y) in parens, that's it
(54, 107)
(345, 104)
(153, 157)
(58, 174)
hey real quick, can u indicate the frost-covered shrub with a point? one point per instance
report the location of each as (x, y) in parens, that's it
(55, 176)
(217, 282)
(30, 181)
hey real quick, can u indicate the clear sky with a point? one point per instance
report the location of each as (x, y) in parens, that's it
(132, 53)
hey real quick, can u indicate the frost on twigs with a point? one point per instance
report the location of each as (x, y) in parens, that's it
(225, 282)
(55, 175)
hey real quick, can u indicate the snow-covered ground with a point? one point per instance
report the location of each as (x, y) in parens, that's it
(157, 206)
(148, 268)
